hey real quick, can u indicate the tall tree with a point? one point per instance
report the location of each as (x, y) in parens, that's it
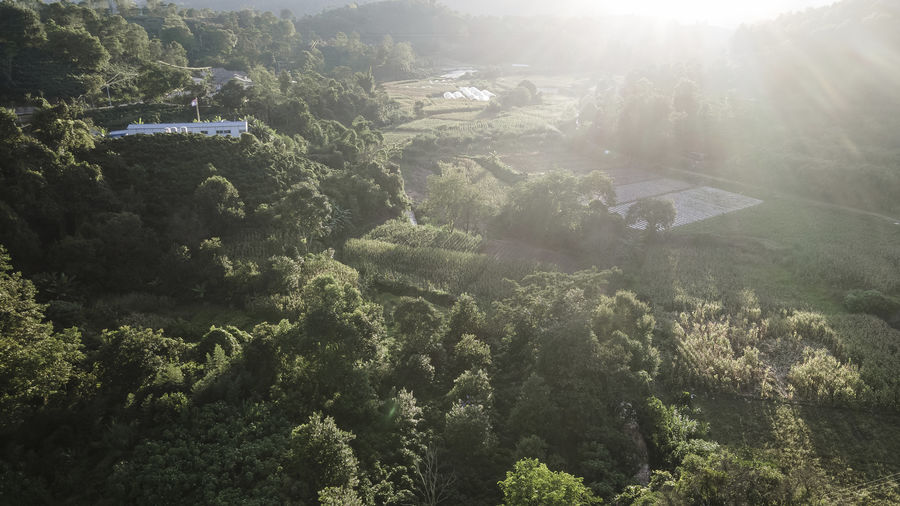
(35, 362)
(531, 483)
(658, 214)
(320, 456)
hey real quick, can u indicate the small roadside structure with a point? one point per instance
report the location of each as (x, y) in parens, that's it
(219, 77)
(209, 128)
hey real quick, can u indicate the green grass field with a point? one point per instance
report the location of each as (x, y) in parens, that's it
(853, 447)
(468, 118)
(792, 255)
(795, 255)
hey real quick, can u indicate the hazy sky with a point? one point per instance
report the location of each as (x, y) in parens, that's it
(720, 12)
(715, 12)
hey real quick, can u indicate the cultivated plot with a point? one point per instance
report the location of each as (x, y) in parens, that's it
(694, 204)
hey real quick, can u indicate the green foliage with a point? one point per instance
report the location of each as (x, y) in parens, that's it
(218, 202)
(571, 375)
(532, 483)
(230, 339)
(658, 215)
(472, 387)
(625, 328)
(715, 350)
(21, 26)
(524, 94)
(723, 478)
(500, 170)
(673, 434)
(433, 268)
(465, 318)
(418, 322)
(36, 363)
(425, 236)
(144, 218)
(339, 496)
(338, 322)
(207, 238)
(468, 430)
(454, 200)
(643, 124)
(821, 376)
(320, 456)
(60, 129)
(305, 211)
(534, 411)
(216, 454)
(871, 302)
(77, 47)
(471, 353)
(558, 209)
(131, 359)
(871, 344)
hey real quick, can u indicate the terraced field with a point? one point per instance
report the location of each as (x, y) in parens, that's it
(468, 118)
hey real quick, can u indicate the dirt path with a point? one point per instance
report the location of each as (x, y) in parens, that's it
(777, 194)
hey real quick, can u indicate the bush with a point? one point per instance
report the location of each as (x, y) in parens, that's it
(435, 268)
(531, 482)
(871, 302)
(500, 170)
(425, 236)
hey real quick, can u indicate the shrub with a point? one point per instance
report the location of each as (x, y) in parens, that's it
(871, 302)
(531, 482)
(425, 236)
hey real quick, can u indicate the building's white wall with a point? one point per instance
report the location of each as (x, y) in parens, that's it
(223, 128)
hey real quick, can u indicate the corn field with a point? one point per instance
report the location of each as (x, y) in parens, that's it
(425, 236)
(439, 269)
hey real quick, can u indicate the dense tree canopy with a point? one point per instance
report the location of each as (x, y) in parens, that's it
(205, 319)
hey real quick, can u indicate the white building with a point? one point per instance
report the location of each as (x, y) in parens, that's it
(211, 128)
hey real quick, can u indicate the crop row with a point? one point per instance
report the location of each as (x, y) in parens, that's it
(425, 236)
(454, 272)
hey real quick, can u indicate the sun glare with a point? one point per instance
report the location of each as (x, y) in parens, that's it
(689, 11)
(702, 11)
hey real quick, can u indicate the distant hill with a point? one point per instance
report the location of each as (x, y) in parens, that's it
(612, 43)
(473, 7)
(298, 7)
(841, 59)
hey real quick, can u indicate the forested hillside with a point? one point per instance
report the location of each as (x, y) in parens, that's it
(655, 265)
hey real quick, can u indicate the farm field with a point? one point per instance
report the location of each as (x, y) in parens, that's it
(790, 254)
(437, 269)
(469, 118)
(793, 258)
(854, 446)
(691, 204)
